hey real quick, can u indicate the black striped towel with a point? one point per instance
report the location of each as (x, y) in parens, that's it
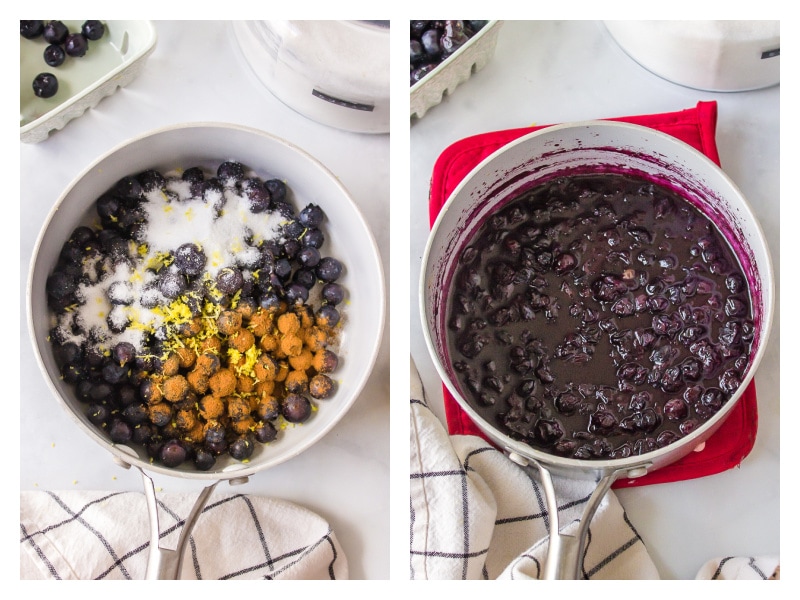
(477, 515)
(105, 535)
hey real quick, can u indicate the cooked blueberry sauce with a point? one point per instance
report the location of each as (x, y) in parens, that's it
(598, 317)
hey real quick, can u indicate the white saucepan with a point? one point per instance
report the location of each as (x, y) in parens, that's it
(348, 238)
(594, 146)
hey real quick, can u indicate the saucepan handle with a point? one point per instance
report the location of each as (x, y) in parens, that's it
(166, 563)
(565, 551)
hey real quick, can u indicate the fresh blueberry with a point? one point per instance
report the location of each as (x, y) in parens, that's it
(171, 285)
(283, 268)
(172, 453)
(93, 30)
(290, 248)
(328, 315)
(195, 176)
(293, 229)
(151, 180)
(76, 45)
(31, 29)
(127, 393)
(55, 32)
(313, 237)
(311, 216)
(45, 85)
(204, 460)
(54, 55)
(269, 301)
(114, 373)
(98, 413)
(418, 28)
(308, 257)
(120, 431)
(242, 448)
(265, 432)
(419, 73)
(305, 277)
(128, 187)
(296, 293)
(143, 434)
(124, 353)
(190, 259)
(329, 269)
(332, 293)
(211, 190)
(60, 286)
(430, 43)
(257, 195)
(68, 353)
(277, 189)
(229, 280)
(135, 414)
(416, 51)
(230, 172)
(296, 408)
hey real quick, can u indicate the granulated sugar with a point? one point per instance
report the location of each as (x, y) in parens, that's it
(119, 300)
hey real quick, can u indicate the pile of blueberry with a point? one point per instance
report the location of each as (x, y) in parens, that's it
(61, 43)
(161, 394)
(432, 42)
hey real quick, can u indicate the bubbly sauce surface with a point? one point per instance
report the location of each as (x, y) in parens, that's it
(598, 316)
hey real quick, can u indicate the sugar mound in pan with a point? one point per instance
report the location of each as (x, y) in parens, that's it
(120, 299)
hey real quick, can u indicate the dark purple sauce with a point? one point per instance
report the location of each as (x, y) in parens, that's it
(598, 316)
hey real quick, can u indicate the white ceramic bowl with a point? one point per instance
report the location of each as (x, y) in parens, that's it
(112, 62)
(347, 237)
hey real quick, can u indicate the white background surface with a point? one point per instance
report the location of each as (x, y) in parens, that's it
(551, 72)
(541, 73)
(196, 74)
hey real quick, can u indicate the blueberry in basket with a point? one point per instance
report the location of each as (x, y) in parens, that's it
(188, 317)
(55, 32)
(598, 317)
(433, 42)
(45, 85)
(31, 29)
(60, 43)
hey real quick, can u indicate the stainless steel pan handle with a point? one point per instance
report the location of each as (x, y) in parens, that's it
(565, 551)
(166, 563)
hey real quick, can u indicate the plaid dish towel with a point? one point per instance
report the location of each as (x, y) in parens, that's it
(477, 515)
(105, 535)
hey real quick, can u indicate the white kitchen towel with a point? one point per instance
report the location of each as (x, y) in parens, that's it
(105, 535)
(477, 515)
(741, 567)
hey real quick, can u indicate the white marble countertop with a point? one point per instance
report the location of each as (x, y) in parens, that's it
(542, 72)
(195, 74)
(550, 72)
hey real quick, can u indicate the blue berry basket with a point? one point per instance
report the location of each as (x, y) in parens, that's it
(110, 64)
